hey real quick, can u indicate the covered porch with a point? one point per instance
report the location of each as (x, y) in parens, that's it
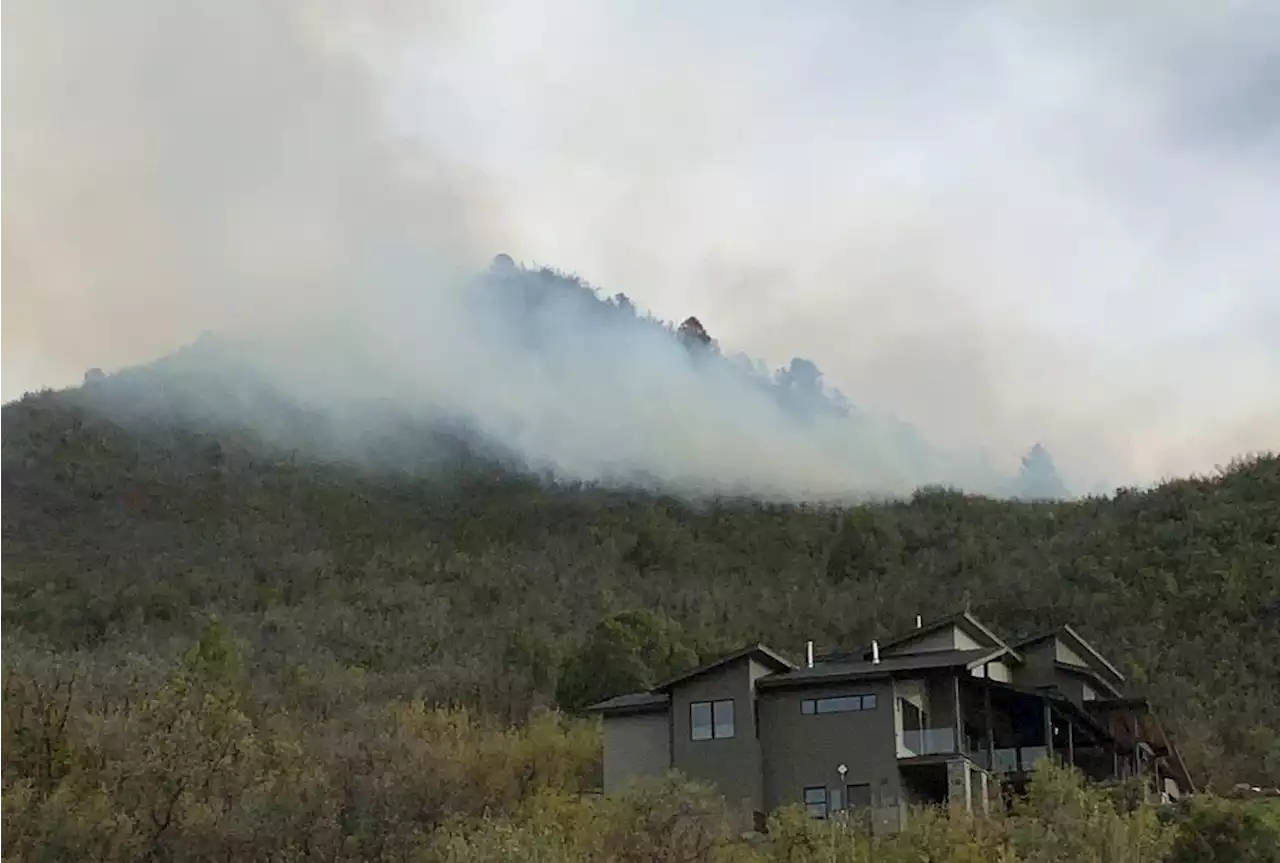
(1001, 729)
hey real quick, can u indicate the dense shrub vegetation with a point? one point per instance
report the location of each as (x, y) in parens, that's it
(192, 766)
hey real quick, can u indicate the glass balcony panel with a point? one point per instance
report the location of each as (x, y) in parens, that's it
(928, 741)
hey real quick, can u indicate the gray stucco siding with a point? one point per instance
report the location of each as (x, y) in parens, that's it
(635, 745)
(732, 765)
(802, 750)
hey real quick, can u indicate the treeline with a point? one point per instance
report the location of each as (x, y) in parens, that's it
(185, 763)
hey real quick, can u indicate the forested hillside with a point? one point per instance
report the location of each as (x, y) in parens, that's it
(478, 587)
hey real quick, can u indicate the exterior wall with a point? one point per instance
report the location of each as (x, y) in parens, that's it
(802, 751)
(1040, 670)
(1037, 669)
(635, 745)
(1070, 686)
(732, 765)
(948, 638)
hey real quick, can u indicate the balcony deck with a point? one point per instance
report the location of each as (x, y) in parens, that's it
(942, 741)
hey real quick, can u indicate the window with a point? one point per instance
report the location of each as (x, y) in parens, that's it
(815, 802)
(722, 716)
(711, 720)
(857, 796)
(837, 704)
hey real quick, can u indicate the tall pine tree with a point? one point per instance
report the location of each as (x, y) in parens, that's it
(1038, 478)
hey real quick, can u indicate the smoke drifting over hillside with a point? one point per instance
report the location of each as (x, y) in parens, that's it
(1008, 223)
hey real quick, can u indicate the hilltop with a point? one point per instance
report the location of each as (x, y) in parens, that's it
(543, 372)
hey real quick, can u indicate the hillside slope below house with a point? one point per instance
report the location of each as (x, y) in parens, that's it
(470, 584)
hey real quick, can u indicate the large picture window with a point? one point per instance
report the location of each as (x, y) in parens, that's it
(711, 720)
(837, 704)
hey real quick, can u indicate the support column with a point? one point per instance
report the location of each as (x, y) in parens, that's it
(959, 719)
(959, 793)
(1048, 729)
(1071, 745)
(991, 725)
(985, 790)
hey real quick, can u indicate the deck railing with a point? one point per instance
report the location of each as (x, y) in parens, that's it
(942, 741)
(927, 741)
(1011, 759)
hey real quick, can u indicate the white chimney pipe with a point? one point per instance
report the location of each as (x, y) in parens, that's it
(808, 653)
(875, 652)
(919, 622)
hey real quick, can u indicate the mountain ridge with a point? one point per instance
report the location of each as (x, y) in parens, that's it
(541, 372)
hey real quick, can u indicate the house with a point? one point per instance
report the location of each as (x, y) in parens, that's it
(933, 716)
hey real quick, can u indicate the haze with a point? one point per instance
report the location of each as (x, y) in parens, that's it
(1001, 222)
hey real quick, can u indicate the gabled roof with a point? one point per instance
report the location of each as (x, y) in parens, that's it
(759, 652)
(836, 672)
(962, 619)
(632, 702)
(1076, 642)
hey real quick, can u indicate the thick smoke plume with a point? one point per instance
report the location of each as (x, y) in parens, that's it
(1002, 222)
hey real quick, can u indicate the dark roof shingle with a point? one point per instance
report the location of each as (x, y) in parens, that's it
(632, 701)
(836, 671)
(759, 652)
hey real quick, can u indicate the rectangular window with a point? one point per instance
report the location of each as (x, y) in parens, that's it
(815, 802)
(834, 800)
(837, 704)
(700, 720)
(722, 714)
(711, 720)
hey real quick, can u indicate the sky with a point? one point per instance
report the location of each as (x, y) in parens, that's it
(1003, 222)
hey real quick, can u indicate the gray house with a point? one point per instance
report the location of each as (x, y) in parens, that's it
(929, 717)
